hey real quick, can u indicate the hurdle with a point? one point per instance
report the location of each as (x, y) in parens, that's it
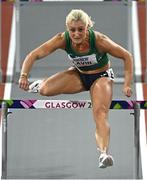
(7, 105)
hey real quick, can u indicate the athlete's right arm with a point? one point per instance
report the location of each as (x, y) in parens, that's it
(44, 50)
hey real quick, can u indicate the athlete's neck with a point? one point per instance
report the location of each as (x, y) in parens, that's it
(83, 46)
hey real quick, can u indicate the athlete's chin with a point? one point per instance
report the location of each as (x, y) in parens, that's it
(77, 41)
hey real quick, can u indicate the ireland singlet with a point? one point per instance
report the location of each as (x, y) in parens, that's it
(88, 61)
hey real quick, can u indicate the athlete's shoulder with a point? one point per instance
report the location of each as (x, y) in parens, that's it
(59, 36)
(100, 36)
(101, 41)
(59, 40)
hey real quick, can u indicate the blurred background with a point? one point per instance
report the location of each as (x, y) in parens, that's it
(60, 143)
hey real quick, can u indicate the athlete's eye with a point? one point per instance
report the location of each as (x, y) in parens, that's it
(72, 29)
(80, 29)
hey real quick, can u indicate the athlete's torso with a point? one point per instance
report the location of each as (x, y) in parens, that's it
(92, 61)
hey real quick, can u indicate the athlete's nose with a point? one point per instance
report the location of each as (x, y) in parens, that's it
(77, 34)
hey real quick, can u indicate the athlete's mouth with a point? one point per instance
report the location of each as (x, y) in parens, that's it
(77, 39)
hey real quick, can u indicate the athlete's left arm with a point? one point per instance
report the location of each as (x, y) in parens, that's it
(109, 46)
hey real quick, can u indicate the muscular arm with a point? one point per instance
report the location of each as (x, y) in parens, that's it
(105, 44)
(44, 50)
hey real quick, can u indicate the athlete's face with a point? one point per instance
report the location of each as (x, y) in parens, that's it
(77, 31)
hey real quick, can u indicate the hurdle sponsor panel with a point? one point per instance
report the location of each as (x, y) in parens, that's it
(68, 104)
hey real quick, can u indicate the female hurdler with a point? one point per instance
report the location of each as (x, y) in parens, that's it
(87, 49)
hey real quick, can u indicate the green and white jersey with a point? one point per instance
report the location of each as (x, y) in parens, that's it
(86, 61)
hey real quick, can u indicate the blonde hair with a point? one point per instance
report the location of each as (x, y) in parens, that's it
(79, 15)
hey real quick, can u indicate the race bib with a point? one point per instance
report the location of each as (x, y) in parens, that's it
(83, 61)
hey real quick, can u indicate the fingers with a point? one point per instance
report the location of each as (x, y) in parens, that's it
(24, 84)
(127, 91)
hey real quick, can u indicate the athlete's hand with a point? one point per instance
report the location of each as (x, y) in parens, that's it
(24, 83)
(127, 91)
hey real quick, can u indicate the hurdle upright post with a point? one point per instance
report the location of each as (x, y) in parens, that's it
(136, 137)
(4, 113)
